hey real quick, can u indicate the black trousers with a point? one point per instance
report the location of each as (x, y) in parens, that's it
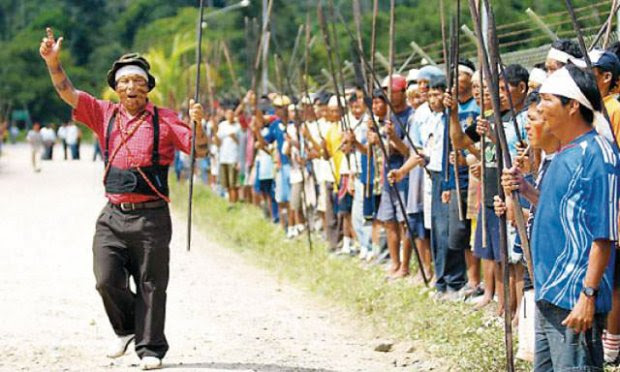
(134, 244)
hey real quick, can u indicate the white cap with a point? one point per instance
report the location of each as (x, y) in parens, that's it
(333, 102)
(538, 75)
(412, 75)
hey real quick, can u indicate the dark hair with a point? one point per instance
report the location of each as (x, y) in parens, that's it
(568, 46)
(379, 93)
(532, 99)
(438, 82)
(516, 74)
(468, 63)
(541, 65)
(615, 48)
(587, 84)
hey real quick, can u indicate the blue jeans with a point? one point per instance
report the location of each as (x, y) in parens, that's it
(559, 348)
(362, 229)
(449, 263)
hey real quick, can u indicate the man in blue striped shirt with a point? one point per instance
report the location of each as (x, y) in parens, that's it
(575, 225)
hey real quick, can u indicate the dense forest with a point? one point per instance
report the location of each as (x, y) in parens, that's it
(96, 32)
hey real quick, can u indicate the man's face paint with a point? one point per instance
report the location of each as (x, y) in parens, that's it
(132, 91)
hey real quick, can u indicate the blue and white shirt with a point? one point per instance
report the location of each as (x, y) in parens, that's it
(578, 204)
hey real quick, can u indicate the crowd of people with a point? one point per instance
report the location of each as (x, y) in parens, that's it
(400, 168)
(43, 139)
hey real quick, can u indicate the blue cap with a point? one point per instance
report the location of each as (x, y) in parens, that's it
(430, 73)
(605, 60)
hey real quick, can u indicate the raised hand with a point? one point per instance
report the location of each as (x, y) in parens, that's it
(50, 48)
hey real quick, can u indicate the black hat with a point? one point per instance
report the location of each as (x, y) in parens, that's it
(130, 59)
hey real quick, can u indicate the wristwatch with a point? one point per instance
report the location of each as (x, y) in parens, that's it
(590, 292)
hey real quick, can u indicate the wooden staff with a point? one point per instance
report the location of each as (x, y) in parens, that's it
(357, 18)
(606, 26)
(608, 32)
(373, 42)
(519, 219)
(369, 85)
(375, 80)
(502, 155)
(231, 70)
(586, 57)
(451, 62)
(192, 162)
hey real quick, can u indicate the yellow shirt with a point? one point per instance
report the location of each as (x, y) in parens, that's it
(333, 140)
(613, 110)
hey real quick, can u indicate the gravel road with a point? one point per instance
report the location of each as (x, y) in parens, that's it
(223, 313)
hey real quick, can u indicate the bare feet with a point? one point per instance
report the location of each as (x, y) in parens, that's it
(393, 270)
(484, 302)
(401, 273)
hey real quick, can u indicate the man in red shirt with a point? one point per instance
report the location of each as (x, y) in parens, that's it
(133, 232)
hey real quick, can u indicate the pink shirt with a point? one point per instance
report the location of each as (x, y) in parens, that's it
(173, 133)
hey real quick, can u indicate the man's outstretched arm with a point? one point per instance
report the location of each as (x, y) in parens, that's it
(50, 52)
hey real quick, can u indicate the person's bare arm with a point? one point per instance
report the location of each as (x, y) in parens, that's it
(458, 137)
(582, 315)
(50, 52)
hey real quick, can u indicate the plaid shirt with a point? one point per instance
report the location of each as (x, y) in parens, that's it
(173, 133)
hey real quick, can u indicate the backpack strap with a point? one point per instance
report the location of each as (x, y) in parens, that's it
(155, 154)
(106, 149)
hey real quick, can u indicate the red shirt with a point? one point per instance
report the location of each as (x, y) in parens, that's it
(173, 133)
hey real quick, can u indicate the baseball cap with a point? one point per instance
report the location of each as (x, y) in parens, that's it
(398, 82)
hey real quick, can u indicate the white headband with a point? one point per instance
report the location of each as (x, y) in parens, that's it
(130, 70)
(560, 83)
(559, 55)
(465, 69)
(538, 75)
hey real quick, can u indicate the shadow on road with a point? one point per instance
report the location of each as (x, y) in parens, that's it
(256, 367)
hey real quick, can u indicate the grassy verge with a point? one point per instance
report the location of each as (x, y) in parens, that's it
(450, 332)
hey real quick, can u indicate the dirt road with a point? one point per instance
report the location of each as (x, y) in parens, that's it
(223, 313)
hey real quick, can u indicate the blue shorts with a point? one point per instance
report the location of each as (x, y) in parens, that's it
(345, 204)
(389, 208)
(492, 251)
(371, 207)
(416, 223)
(266, 186)
(283, 184)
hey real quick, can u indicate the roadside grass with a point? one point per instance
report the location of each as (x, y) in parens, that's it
(459, 339)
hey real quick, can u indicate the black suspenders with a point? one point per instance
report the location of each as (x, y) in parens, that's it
(154, 153)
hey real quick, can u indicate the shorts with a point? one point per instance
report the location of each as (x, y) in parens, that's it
(345, 204)
(265, 186)
(283, 184)
(296, 196)
(228, 176)
(389, 208)
(616, 282)
(492, 251)
(371, 207)
(416, 223)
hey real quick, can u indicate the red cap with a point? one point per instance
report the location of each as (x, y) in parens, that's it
(398, 82)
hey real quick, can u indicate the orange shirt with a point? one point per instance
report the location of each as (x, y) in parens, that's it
(613, 110)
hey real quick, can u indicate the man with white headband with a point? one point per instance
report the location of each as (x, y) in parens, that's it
(133, 232)
(574, 228)
(562, 50)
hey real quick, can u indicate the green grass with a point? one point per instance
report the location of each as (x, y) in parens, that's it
(460, 339)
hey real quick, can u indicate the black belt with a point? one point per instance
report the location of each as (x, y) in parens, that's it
(127, 207)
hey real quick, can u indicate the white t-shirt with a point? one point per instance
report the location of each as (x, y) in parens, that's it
(48, 134)
(72, 134)
(322, 169)
(62, 132)
(229, 149)
(35, 139)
